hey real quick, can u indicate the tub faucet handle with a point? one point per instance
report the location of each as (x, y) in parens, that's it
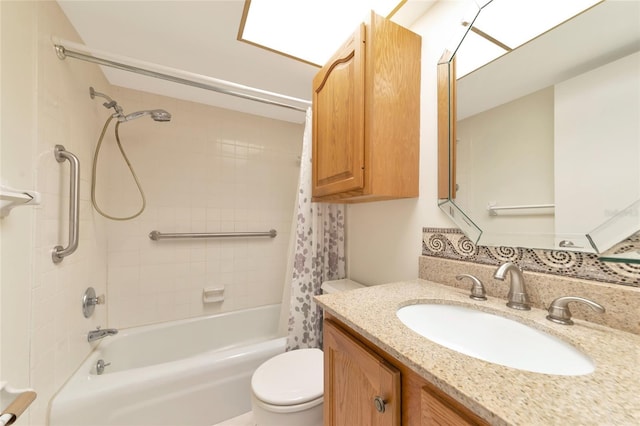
(90, 300)
(477, 289)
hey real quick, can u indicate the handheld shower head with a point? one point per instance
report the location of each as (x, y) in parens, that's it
(156, 115)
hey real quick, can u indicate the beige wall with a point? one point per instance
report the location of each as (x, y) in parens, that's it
(505, 157)
(384, 238)
(609, 179)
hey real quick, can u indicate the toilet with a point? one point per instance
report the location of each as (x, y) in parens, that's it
(288, 389)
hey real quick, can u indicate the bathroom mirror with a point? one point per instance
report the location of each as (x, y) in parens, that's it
(540, 147)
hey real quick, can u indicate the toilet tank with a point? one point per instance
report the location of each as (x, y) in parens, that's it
(336, 286)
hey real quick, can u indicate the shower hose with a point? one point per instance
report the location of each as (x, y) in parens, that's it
(133, 174)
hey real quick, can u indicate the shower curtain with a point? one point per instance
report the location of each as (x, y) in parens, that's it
(318, 254)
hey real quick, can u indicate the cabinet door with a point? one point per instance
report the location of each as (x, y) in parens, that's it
(354, 377)
(440, 410)
(338, 121)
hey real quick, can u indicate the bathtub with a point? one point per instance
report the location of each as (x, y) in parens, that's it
(188, 372)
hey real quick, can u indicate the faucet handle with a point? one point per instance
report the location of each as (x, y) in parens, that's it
(90, 300)
(477, 289)
(559, 309)
(100, 365)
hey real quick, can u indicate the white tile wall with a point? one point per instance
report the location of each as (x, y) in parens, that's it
(67, 116)
(208, 170)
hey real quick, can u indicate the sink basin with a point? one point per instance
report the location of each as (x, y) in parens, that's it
(495, 339)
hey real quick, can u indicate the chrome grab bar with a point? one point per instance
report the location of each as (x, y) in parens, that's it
(156, 235)
(59, 253)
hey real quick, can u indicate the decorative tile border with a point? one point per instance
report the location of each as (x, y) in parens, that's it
(451, 243)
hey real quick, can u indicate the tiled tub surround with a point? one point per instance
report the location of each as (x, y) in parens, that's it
(207, 170)
(502, 395)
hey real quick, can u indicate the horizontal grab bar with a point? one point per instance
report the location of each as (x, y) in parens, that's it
(156, 235)
(59, 253)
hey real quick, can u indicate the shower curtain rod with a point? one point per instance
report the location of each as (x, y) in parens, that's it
(69, 49)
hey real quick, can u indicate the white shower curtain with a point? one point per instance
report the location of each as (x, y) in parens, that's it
(318, 255)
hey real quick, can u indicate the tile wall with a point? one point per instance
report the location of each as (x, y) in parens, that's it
(57, 327)
(207, 170)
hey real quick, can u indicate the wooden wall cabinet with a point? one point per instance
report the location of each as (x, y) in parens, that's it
(366, 117)
(356, 372)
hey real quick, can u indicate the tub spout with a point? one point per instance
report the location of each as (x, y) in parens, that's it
(100, 333)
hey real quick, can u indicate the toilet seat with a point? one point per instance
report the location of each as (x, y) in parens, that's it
(290, 379)
(286, 409)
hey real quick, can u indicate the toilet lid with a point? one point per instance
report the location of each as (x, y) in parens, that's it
(290, 378)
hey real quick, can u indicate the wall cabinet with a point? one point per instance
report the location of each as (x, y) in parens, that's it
(356, 372)
(366, 117)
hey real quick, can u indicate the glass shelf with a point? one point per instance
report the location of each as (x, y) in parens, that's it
(632, 257)
(613, 240)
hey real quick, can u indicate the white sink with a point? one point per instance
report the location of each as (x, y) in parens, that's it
(495, 339)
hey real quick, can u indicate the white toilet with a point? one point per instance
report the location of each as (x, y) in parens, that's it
(287, 390)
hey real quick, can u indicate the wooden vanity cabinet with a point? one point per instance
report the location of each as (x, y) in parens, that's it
(356, 372)
(366, 117)
(360, 387)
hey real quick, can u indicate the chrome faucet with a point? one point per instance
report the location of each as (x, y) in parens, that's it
(100, 333)
(518, 297)
(559, 310)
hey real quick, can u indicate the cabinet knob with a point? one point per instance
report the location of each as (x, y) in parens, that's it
(379, 403)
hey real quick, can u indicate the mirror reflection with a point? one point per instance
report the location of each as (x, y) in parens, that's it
(544, 141)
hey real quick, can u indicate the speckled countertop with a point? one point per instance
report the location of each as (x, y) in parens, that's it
(502, 395)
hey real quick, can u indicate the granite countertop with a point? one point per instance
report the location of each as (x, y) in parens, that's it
(502, 395)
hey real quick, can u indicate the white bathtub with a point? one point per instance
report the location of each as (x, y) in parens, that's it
(189, 372)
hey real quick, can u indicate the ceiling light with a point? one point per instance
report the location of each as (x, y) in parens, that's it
(309, 30)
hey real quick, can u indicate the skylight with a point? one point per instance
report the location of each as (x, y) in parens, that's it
(310, 30)
(513, 23)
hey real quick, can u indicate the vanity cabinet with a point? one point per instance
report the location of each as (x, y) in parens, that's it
(360, 387)
(356, 372)
(366, 117)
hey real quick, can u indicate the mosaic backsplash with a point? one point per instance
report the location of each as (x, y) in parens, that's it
(451, 243)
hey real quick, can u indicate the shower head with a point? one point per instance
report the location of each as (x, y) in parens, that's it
(156, 115)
